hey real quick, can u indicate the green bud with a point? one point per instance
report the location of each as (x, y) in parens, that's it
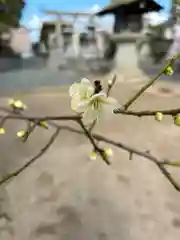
(169, 71)
(159, 116)
(177, 120)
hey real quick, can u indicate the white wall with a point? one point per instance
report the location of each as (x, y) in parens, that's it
(20, 41)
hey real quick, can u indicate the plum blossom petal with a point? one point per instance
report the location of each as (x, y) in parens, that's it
(99, 106)
(81, 106)
(81, 90)
(74, 89)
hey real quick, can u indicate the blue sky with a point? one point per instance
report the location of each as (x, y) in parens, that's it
(34, 9)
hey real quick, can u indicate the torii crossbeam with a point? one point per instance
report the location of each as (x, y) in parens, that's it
(74, 14)
(66, 13)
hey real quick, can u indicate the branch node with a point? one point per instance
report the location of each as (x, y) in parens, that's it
(130, 155)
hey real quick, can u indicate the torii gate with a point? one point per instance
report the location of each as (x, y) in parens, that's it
(91, 16)
(75, 15)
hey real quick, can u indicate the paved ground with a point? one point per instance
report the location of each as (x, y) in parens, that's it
(65, 196)
(32, 74)
(32, 77)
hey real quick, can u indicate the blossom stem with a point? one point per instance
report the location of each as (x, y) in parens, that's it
(171, 112)
(112, 84)
(91, 139)
(150, 83)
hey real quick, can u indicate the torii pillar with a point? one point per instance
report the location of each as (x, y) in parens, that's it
(59, 32)
(76, 38)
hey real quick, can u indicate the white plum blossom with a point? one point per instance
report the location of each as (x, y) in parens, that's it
(80, 92)
(91, 106)
(99, 105)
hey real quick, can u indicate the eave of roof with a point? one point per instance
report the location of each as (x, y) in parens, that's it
(114, 5)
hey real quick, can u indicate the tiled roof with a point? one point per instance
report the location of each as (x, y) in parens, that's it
(118, 3)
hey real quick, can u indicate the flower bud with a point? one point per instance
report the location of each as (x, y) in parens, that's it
(108, 152)
(177, 120)
(21, 133)
(2, 131)
(93, 155)
(169, 71)
(159, 116)
(18, 104)
(44, 124)
(110, 83)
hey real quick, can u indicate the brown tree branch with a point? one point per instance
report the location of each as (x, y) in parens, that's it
(92, 137)
(159, 163)
(110, 86)
(30, 129)
(40, 119)
(143, 113)
(95, 146)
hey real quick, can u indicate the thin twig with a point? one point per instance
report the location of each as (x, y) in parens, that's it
(95, 146)
(32, 160)
(147, 85)
(92, 126)
(110, 86)
(41, 119)
(92, 137)
(171, 112)
(146, 155)
(3, 119)
(143, 113)
(160, 164)
(30, 129)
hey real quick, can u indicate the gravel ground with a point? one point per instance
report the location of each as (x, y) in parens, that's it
(66, 196)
